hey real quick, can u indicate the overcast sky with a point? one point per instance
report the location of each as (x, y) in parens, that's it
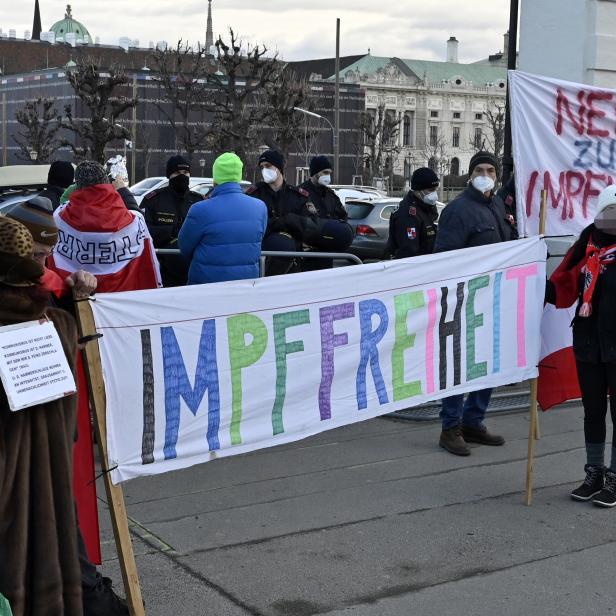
(415, 29)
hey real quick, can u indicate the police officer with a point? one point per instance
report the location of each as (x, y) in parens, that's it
(165, 210)
(334, 234)
(286, 205)
(412, 227)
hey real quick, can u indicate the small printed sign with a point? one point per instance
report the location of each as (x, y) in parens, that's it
(33, 366)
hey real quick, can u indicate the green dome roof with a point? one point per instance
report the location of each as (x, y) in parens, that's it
(68, 24)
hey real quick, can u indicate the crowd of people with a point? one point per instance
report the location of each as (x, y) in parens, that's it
(85, 233)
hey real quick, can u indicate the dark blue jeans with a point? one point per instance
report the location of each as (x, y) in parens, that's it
(454, 410)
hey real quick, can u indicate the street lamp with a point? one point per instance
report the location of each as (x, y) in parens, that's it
(202, 165)
(33, 155)
(331, 126)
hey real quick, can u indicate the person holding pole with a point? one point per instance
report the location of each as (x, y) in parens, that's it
(587, 275)
(476, 217)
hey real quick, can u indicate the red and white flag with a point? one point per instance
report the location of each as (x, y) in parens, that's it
(96, 233)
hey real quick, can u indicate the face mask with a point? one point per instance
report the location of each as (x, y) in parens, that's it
(483, 183)
(606, 220)
(269, 175)
(431, 198)
(325, 180)
(180, 183)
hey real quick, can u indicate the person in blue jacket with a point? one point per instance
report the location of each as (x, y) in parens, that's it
(221, 236)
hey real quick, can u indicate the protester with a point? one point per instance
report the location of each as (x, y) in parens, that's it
(588, 274)
(507, 194)
(59, 177)
(165, 210)
(412, 227)
(39, 564)
(99, 235)
(474, 218)
(286, 205)
(221, 236)
(333, 233)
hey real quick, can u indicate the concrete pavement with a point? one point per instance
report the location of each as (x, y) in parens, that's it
(375, 519)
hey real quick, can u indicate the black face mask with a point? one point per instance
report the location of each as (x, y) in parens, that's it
(180, 183)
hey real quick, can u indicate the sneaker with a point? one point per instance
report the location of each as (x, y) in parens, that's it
(452, 441)
(593, 484)
(101, 600)
(481, 435)
(607, 496)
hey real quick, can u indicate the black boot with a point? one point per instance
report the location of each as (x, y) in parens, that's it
(607, 496)
(100, 600)
(593, 484)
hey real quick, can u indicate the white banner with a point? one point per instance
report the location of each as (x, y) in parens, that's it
(206, 371)
(563, 141)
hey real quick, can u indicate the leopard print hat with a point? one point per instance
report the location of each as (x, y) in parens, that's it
(17, 267)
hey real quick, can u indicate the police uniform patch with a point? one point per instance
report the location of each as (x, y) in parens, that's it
(412, 210)
(411, 232)
(303, 192)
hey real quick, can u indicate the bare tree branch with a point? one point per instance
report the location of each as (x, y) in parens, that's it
(41, 122)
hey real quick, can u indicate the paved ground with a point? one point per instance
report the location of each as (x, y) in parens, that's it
(375, 519)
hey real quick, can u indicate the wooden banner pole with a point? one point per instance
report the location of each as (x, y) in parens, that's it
(533, 428)
(115, 496)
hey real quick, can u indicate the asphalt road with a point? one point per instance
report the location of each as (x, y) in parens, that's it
(375, 519)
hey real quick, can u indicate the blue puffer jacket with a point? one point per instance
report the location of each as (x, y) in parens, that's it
(221, 236)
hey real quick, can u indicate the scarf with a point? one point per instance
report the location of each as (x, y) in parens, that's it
(597, 259)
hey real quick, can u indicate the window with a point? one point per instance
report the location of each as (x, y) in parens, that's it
(406, 130)
(390, 128)
(407, 169)
(457, 115)
(434, 136)
(434, 114)
(357, 211)
(455, 137)
(477, 138)
(387, 211)
(479, 116)
(455, 166)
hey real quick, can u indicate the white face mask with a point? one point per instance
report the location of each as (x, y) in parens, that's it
(431, 198)
(325, 180)
(606, 220)
(269, 175)
(483, 183)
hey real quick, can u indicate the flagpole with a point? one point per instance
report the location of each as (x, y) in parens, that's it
(533, 428)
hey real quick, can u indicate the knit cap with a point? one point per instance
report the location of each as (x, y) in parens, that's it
(90, 173)
(482, 158)
(319, 163)
(36, 215)
(424, 178)
(273, 157)
(227, 168)
(176, 163)
(61, 173)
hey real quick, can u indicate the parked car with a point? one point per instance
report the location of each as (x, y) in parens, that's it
(141, 189)
(370, 222)
(364, 193)
(20, 182)
(205, 188)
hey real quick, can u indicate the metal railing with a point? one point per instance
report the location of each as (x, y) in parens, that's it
(346, 256)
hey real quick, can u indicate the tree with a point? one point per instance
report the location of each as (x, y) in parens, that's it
(281, 95)
(436, 154)
(495, 139)
(98, 92)
(41, 122)
(183, 76)
(378, 138)
(242, 75)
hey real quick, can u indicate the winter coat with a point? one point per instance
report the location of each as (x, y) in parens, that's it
(39, 564)
(221, 236)
(412, 228)
(53, 193)
(594, 337)
(326, 201)
(472, 219)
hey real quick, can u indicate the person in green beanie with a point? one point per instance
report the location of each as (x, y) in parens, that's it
(221, 236)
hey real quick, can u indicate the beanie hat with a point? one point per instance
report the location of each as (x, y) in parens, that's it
(177, 163)
(482, 158)
(273, 158)
(89, 173)
(227, 168)
(61, 173)
(606, 198)
(17, 267)
(67, 193)
(37, 216)
(424, 178)
(319, 163)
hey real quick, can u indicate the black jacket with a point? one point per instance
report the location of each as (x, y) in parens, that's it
(284, 206)
(594, 337)
(53, 193)
(472, 219)
(165, 210)
(325, 200)
(412, 228)
(129, 199)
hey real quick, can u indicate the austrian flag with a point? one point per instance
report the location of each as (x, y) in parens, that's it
(96, 233)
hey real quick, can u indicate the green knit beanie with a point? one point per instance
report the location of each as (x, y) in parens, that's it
(227, 168)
